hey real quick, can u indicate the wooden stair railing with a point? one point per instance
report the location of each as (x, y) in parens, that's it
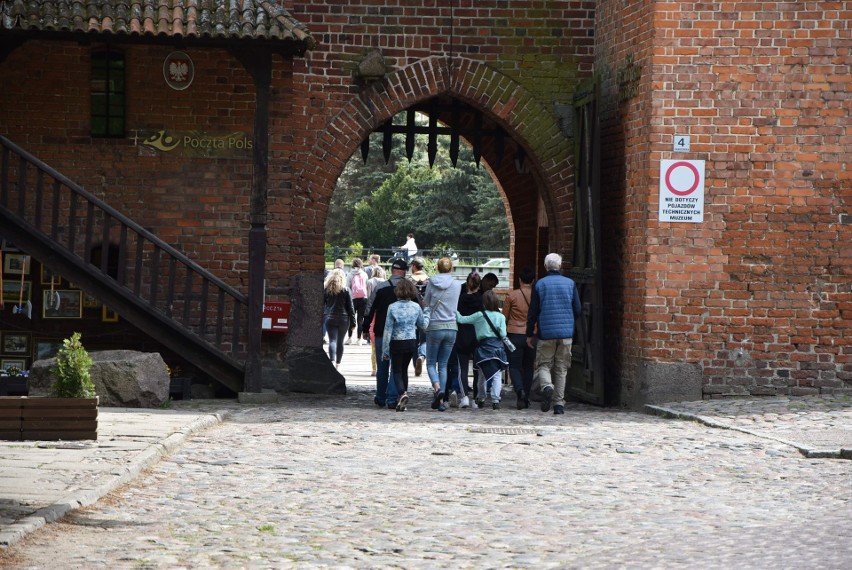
(148, 282)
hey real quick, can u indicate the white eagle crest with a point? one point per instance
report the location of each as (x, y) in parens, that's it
(178, 70)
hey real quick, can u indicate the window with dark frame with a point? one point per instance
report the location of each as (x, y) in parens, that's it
(107, 90)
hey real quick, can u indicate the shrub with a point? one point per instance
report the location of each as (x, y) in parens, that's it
(72, 371)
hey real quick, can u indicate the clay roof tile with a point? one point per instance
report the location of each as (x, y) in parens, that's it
(190, 19)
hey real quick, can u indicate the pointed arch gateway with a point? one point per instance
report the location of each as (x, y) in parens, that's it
(529, 124)
(540, 221)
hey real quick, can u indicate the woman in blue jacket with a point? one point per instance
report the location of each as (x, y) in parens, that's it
(399, 343)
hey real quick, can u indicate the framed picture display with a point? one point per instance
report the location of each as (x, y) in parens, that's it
(8, 247)
(46, 348)
(108, 315)
(15, 343)
(62, 304)
(17, 264)
(7, 363)
(90, 302)
(48, 276)
(12, 291)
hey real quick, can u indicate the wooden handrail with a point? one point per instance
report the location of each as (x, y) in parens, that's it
(112, 212)
(152, 274)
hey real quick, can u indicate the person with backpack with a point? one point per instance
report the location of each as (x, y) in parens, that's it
(356, 282)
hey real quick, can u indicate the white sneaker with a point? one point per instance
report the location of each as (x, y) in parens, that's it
(465, 402)
(348, 340)
(358, 342)
(454, 399)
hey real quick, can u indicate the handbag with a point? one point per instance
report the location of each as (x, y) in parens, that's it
(510, 346)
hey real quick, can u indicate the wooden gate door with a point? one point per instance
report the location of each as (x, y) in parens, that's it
(586, 376)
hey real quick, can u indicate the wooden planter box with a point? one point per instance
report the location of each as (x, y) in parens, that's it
(48, 419)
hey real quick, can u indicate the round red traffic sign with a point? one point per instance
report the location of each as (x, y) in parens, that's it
(696, 178)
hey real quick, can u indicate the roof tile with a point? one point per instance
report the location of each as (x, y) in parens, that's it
(189, 19)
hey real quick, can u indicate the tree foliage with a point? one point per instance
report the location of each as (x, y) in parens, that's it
(72, 379)
(377, 204)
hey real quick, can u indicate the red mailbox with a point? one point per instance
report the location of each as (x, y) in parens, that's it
(276, 316)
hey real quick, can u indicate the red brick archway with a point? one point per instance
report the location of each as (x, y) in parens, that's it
(481, 86)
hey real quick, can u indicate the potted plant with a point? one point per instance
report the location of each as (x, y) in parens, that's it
(13, 380)
(72, 411)
(72, 378)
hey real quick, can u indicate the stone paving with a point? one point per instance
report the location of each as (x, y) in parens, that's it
(323, 482)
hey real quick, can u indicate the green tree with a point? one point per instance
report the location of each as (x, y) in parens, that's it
(377, 204)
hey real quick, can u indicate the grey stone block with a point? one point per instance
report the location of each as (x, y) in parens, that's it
(661, 382)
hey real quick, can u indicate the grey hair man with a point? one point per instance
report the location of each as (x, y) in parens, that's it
(554, 308)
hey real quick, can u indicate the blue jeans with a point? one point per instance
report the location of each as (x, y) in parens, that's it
(422, 340)
(385, 387)
(439, 346)
(453, 380)
(336, 329)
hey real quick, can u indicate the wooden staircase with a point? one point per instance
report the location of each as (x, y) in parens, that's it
(149, 283)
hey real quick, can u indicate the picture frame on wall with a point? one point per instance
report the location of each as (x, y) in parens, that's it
(47, 274)
(62, 304)
(46, 348)
(19, 363)
(12, 291)
(16, 263)
(8, 247)
(108, 315)
(90, 301)
(15, 343)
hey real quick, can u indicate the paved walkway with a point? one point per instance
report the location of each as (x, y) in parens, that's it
(336, 482)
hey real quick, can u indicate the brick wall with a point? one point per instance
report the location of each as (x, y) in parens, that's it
(756, 299)
(200, 205)
(512, 61)
(759, 296)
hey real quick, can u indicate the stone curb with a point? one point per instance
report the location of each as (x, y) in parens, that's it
(804, 449)
(84, 497)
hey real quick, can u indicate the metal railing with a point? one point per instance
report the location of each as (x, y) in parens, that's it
(472, 257)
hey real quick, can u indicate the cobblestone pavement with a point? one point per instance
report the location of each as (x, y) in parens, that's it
(323, 482)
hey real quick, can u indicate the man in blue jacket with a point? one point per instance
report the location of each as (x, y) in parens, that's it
(554, 307)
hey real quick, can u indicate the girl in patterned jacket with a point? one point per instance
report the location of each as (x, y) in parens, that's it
(399, 343)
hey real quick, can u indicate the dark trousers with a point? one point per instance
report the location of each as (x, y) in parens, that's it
(464, 366)
(336, 328)
(360, 305)
(521, 364)
(402, 352)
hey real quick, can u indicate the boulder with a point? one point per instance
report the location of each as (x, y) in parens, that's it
(122, 378)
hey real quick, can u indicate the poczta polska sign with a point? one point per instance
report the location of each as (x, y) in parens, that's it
(681, 191)
(194, 143)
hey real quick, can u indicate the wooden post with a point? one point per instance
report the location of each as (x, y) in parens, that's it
(259, 64)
